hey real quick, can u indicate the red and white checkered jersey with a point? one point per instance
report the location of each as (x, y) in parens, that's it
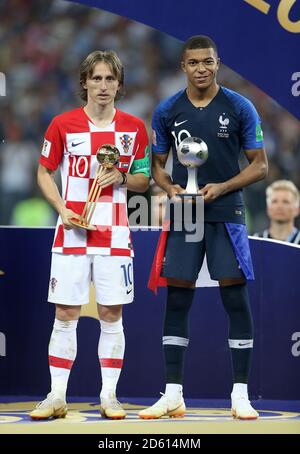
(71, 142)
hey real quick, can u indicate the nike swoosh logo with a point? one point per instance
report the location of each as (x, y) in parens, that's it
(128, 291)
(179, 123)
(244, 343)
(75, 144)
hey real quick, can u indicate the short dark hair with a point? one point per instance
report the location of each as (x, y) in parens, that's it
(111, 59)
(199, 42)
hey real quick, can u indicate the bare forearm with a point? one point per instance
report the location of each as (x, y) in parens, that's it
(255, 171)
(50, 191)
(137, 182)
(251, 174)
(162, 178)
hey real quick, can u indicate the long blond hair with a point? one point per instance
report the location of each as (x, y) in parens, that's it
(87, 67)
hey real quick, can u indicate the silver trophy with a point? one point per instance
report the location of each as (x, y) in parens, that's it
(192, 152)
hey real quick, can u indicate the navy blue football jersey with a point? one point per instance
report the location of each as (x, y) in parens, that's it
(228, 124)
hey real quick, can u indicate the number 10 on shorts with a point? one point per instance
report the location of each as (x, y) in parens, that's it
(127, 271)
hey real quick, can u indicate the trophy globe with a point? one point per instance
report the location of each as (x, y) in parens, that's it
(192, 152)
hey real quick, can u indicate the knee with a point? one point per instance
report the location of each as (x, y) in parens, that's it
(179, 300)
(67, 313)
(235, 298)
(181, 283)
(115, 327)
(227, 282)
(110, 314)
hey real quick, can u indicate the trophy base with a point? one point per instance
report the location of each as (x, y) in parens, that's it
(81, 224)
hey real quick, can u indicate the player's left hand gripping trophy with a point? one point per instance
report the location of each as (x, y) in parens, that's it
(108, 156)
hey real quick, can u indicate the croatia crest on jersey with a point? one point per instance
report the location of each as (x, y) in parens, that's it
(126, 141)
(53, 283)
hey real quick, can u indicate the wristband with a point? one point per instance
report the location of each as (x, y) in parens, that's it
(124, 176)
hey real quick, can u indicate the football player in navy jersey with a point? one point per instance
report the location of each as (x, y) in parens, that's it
(229, 124)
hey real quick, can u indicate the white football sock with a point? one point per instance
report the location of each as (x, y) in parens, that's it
(240, 389)
(62, 353)
(173, 391)
(111, 352)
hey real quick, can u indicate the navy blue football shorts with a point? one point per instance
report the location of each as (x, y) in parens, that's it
(226, 246)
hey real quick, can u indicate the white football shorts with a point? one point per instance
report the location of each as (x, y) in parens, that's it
(71, 276)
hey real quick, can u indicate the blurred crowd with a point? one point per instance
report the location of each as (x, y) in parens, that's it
(42, 45)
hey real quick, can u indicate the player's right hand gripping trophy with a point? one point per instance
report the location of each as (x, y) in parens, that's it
(108, 156)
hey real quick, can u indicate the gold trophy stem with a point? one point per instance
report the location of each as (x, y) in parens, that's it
(107, 156)
(89, 208)
(92, 206)
(92, 196)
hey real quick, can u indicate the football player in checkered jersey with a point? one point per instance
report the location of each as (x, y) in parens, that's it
(103, 255)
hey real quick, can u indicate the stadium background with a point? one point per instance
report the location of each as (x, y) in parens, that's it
(42, 45)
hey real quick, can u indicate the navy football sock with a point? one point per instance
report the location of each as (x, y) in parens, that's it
(236, 303)
(176, 331)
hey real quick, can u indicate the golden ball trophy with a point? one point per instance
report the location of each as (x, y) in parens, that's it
(108, 156)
